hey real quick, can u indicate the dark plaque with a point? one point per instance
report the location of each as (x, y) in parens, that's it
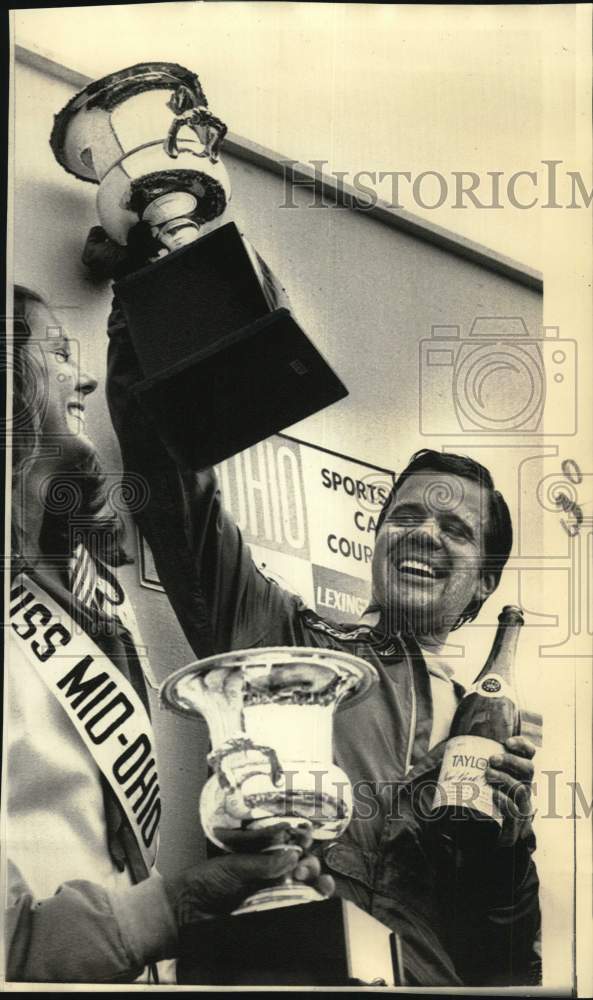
(332, 943)
(225, 362)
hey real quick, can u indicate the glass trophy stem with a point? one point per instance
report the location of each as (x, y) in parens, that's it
(171, 221)
(178, 233)
(286, 892)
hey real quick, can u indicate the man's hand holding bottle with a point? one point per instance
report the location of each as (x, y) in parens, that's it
(511, 775)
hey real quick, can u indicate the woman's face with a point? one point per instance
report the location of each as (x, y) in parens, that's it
(61, 391)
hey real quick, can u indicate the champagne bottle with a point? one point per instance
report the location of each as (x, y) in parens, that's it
(485, 717)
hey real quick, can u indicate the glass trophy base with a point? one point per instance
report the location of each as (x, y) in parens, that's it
(292, 894)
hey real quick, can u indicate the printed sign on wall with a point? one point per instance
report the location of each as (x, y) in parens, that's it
(309, 517)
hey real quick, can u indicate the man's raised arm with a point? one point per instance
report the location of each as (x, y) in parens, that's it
(221, 599)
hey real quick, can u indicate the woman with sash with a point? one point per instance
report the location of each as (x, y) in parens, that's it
(82, 802)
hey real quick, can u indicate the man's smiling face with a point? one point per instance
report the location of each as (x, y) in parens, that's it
(429, 554)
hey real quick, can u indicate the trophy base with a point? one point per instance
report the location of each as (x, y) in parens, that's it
(331, 943)
(225, 363)
(251, 385)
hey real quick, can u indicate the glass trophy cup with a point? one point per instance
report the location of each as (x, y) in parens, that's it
(269, 713)
(212, 326)
(270, 718)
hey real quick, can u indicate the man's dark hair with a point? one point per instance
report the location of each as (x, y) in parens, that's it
(498, 535)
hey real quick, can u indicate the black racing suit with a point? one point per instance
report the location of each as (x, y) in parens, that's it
(462, 920)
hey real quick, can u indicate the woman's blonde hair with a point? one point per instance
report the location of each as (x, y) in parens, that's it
(79, 491)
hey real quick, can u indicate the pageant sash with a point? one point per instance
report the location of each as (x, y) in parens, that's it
(100, 702)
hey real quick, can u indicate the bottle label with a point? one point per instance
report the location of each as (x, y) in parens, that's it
(462, 779)
(493, 686)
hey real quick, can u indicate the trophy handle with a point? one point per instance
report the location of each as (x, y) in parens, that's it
(209, 129)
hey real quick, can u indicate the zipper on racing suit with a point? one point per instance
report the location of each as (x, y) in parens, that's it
(412, 730)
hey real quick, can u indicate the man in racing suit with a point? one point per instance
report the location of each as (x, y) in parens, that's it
(463, 918)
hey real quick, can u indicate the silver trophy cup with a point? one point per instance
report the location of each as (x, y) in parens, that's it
(270, 716)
